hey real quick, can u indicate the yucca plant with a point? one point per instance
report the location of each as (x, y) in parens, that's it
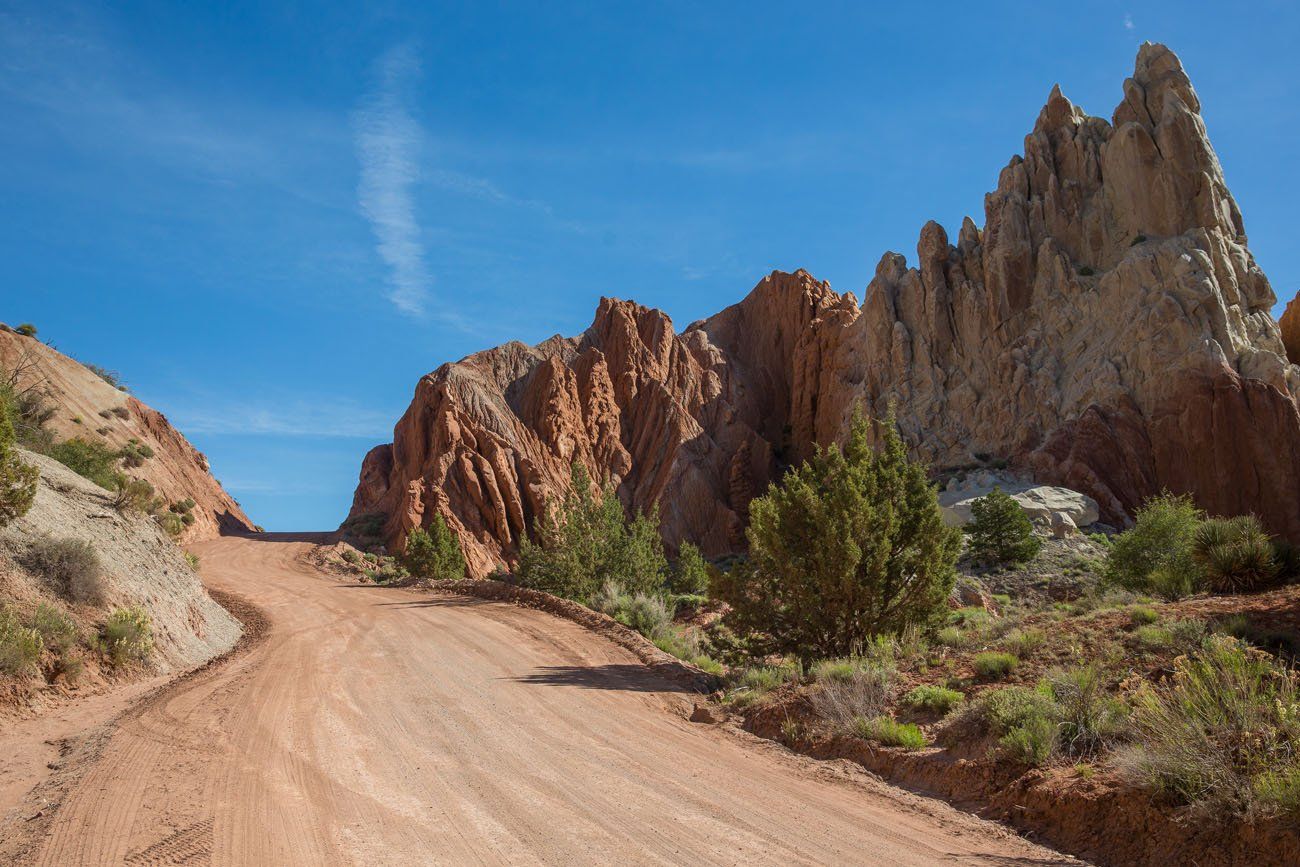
(1236, 554)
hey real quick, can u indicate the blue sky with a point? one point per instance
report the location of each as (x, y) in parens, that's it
(273, 218)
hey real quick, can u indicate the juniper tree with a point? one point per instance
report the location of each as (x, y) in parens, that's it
(585, 540)
(848, 546)
(1000, 531)
(434, 554)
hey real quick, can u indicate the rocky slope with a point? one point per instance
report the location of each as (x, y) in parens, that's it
(89, 407)
(140, 566)
(1107, 330)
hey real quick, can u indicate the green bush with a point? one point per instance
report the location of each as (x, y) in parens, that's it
(752, 683)
(56, 629)
(1180, 636)
(585, 540)
(434, 554)
(20, 646)
(91, 459)
(936, 699)
(1000, 532)
(135, 453)
(889, 732)
(849, 545)
(27, 329)
(951, 636)
(171, 523)
(1023, 642)
(1032, 743)
(367, 527)
(193, 560)
(132, 495)
(835, 669)
(69, 566)
(1143, 615)
(1156, 554)
(1235, 554)
(17, 478)
(994, 665)
(1088, 716)
(998, 711)
(1222, 733)
(690, 574)
(128, 635)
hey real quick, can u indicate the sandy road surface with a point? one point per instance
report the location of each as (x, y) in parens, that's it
(382, 726)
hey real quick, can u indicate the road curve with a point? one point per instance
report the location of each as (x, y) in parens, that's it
(384, 726)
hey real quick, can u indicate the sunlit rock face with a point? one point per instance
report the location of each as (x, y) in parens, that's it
(1107, 331)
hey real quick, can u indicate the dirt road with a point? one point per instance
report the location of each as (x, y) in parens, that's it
(382, 726)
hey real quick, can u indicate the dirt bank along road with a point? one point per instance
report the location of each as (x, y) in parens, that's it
(383, 726)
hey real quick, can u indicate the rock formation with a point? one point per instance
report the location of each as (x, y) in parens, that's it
(87, 404)
(1107, 330)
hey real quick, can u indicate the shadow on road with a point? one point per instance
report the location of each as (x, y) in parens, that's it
(626, 677)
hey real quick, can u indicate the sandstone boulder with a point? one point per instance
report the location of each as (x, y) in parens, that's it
(1046, 505)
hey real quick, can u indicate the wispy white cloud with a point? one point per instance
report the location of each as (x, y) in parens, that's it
(388, 141)
(338, 419)
(1128, 22)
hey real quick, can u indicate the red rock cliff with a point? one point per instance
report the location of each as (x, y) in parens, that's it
(1108, 329)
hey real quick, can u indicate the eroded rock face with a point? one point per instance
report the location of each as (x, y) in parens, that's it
(89, 407)
(1107, 331)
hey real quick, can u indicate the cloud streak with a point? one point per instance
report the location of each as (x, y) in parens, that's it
(388, 140)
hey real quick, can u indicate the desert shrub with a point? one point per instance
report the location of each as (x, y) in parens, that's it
(998, 711)
(1088, 716)
(1180, 636)
(835, 669)
(936, 699)
(193, 560)
(1222, 733)
(434, 554)
(135, 453)
(864, 693)
(585, 540)
(951, 636)
(183, 507)
(27, 406)
(353, 556)
(849, 545)
(187, 519)
(27, 329)
(70, 566)
(752, 683)
(171, 523)
(1000, 532)
(57, 631)
(1032, 743)
(1235, 554)
(387, 571)
(1143, 615)
(91, 459)
(690, 574)
(121, 412)
(1086, 271)
(648, 615)
(889, 732)
(994, 665)
(128, 635)
(1287, 557)
(17, 478)
(1023, 642)
(1156, 554)
(132, 495)
(20, 646)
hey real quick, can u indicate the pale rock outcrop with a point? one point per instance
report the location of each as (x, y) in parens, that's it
(1059, 509)
(1107, 331)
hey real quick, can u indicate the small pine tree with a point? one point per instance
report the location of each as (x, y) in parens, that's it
(585, 540)
(848, 546)
(1000, 531)
(691, 574)
(17, 479)
(434, 554)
